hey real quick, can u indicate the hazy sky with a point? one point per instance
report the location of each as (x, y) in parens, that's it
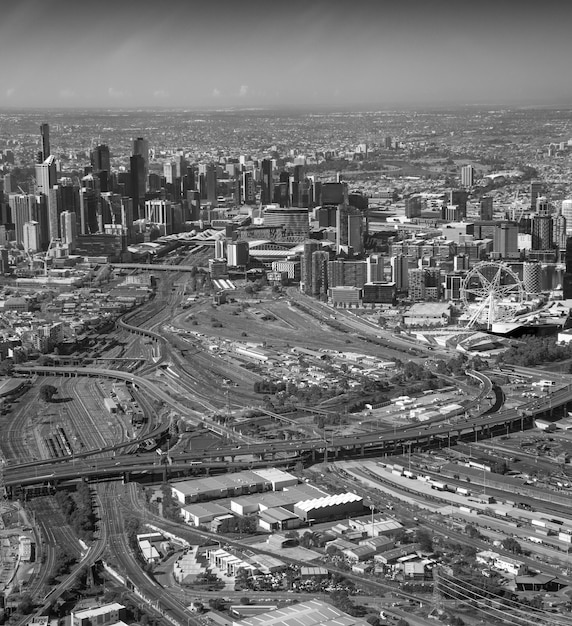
(194, 53)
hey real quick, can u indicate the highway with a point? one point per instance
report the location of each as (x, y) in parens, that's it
(343, 446)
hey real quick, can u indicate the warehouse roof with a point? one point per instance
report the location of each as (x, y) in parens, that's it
(312, 613)
(322, 503)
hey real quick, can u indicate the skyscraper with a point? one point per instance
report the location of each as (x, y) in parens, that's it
(542, 232)
(567, 213)
(137, 184)
(68, 229)
(486, 208)
(212, 182)
(310, 246)
(535, 191)
(400, 272)
(45, 138)
(141, 148)
(24, 209)
(100, 159)
(267, 182)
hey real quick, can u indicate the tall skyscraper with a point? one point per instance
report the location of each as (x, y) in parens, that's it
(310, 246)
(267, 182)
(212, 183)
(46, 175)
(141, 148)
(137, 184)
(31, 237)
(100, 159)
(160, 214)
(45, 138)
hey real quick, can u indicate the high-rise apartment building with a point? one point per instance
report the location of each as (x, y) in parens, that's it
(467, 176)
(505, 240)
(374, 268)
(400, 272)
(567, 214)
(68, 229)
(24, 209)
(310, 246)
(542, 232)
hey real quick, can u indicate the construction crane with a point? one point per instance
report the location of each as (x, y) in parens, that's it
(53, 241)
(518, 207)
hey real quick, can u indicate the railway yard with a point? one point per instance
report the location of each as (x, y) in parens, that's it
(262, 368)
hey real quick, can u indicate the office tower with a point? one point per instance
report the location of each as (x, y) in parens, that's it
(54, 209)
(310, 247)
(486, 208)
(266, 182)
(237, 253)
(388, 142)
(31, 237)
(567, 280)
(88, 211)
(542, 233)
(458, 198)
(45, 139)
(413, 206)
(294, 221)
(505, 240)
(374, 268)
(400, 272)
(46, 175)
(170, 172)
(100, 159)
(127, 218)
(567, 214)
(467, 176)
(349, 228)
(211, 184)
(9, 183)
(137, 184)
(320, 285)
(559, 225)
(535, 191)
(194, 205)
(111, 208)
(24, 209)
(4, 261)
(531, 277)
(141, 148)
(160, 214)
(281, 196)
(68, 229)
(191, 179)
(334, 193)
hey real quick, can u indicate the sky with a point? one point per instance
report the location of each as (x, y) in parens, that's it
(257, 53)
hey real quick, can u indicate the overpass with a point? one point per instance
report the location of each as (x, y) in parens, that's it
(283, 452)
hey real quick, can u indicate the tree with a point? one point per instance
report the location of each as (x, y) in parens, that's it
(511, 545)
(47, 392)
(217, 604)
(423, 537)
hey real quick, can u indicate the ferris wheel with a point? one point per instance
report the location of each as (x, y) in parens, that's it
(491, 292)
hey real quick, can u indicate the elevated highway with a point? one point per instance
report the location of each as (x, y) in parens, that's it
(278, 453)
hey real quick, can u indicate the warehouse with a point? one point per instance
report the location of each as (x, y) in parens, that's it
(329, 507)
(201, 514)
(229, 485)
(246, 505)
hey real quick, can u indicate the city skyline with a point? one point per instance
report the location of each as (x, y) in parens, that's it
(324, 53)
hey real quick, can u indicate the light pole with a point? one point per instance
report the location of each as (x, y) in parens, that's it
(372, 508)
